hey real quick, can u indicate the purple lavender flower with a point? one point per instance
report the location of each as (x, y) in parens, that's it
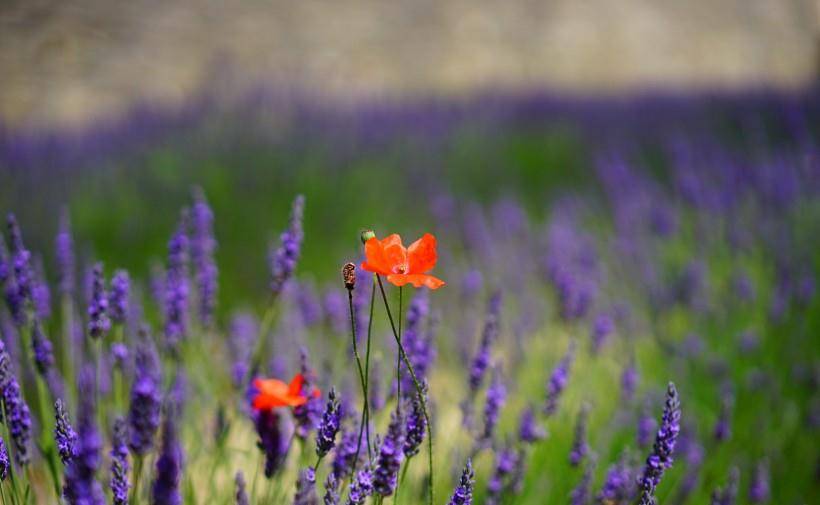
(361, 487)
(119, 354)
(580, 448)
(283, 259)
(241, 494)
(558, 381)
(418, 347)
(146, 400)
(482, 357)
(619, 483)
(692, 451)
(602, 328)
(306, 488)
(463, 494)
(343, 464)
(506, 460)
(580, 495)
(118, 297)
(629, 382)
(98, 322)
(530, 430)
(81, 486)
(203, 245)
(64, 434)
(308, 415)
(331, 496)
(646, 426)
(416, 426)
(661, 457)
(64, 248)
(310, 308)
(165, 490)
(21, 260)
(496, 397)
(329, 426)
(759, 489)
(743, 287)
(176, 285)
(40, 293)
(243, 331)
(119, 463)
(471, 284)
(18, 418)
(335, 309)
(43, 351)
(390, 457)
(5, 463)
(273, 439)
(728, 494)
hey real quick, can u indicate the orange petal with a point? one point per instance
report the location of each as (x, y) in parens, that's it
(417, 280)
(270, 386)
(395, 254)
(295, 386)
(422, 255)
(376, 260)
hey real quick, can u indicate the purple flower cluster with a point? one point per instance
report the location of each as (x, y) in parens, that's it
(558, 381)
(385, 476)
(580, 495)
(332, 495)
(496, 397)
(506, 461)
(203, 245)
(345, 453)
(415, 427)
(463, 494)
(416, 343)
(18, 417)
(146, 398)
(361, 487)
(43, 351)
(176, 285)
(619, 483)
(283, 259)
(5, 463)
(64, 434)
(64, 249)
(273, 439)
(118, 298)
(661, 457)
(481, 361)
(728, 494)
(81, 485)
(242, 336)
(529, 429)
(98, 321)
(241, 494)
(580, 448)
(329, 426)
(602, 328)
(119, 463)
(759, 488)
(166, 487)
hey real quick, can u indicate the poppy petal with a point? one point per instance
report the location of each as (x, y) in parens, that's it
(417, 280)
(376, 260)
(295, 386)
(395, 254)
(422, 255)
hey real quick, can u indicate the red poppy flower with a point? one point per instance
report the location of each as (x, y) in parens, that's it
(271, 393)
(402, 265)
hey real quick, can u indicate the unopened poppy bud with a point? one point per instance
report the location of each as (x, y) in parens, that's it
(349, 276)
(367, 235)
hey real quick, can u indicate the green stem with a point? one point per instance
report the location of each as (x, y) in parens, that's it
(418, 387)
(398, 359)
(366, 403)
(401, 479)
(135, 491)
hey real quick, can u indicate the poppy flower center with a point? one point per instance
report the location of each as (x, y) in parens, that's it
(400, 269)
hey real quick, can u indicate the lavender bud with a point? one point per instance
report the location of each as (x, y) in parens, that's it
(580, 495)
(482, 358)
(332, 496)
(390, 457)
(5, 463)
(241, 494)
(81, 486)
(64, 247)
(629, 382)
(661, 457)
(580, 448)
(759, 490)
(64, 434)
(118, 297)
(345, 453)
(727, 495)
(146, 400)
(18, 417)
(558, 381)
(119, 463)
(273, 439)
(416, 427)
(165, 490)
(506, 460)
(306, 488)
(98, 322)
(43, 352)
(619, 483)
(176, 285)
(203, 245)
(283, 259)
(496, 397)
(602, 328)
(326, 434)
(361, 487)
(529, 430)
(463, 494)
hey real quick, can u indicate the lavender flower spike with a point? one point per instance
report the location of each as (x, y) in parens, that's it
(146, 400)
(558, 381)
(43, 352)
(5, 463)
(361, 487)
(529, 430)
(98, 322)
(326, 434)
(119, 463)
(118, 297)
(306, 488)
(344, 454)
(64, 248)
(661, 457)
(64, 434)
(415, 427)
(203, 245)
(18, 418)
(390, 457)
(21, 260)
(506, 460)
(463, 494)
(176, 285)
(81, 486)
(331, 496)
(241, 493)
(283, 259)
(619, 484)
(580, 448)
(489, 335)
(165, 490)
(496, 397)
(759, 487)
(580, 495)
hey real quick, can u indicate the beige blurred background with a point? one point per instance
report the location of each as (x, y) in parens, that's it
(70, 61)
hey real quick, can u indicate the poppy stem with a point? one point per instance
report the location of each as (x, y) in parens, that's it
(398, 359)
(362, 378)
(419, 390)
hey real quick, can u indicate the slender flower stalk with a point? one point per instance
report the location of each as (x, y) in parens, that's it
(661, 457)
(64, 248)
(349, 280)
(489, 335)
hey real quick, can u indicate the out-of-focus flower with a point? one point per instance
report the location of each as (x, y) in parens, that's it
(274, 435)
(602, 328)
(332, 495)
(416, 426)
(176, 285)
(43, 351)
(343, 464)
(402, 265)
(98, 321)
(166, 487)
(506, 459)
(580, 495)
(580, 448)
(272, 393)
(306, 488)
(146, 400)
(119, 463)
(619, 483)
(463, 494)
(5, 463)
(309, 414)
(529, 430)
(759, 489)
(283, 259)
(629, 381)
(242, 336)
(203, 245)
(489, 335)
(385, 476)
(361, 487)
(240, 493)
(64, 248)
(64, 434)
(728, 494)
(558, 381)
(496, 397)
(723, 428)
(118, 296)
(81, 486)
(18, 417)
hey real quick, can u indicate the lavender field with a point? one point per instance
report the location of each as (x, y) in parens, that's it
(592, 300)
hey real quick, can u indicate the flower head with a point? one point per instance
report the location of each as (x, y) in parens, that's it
(18, 417)
(272, 393)
(5, 463)
(203, 245)
(463, 495)
(361, 487)
(306, 488)
(119, 463)
(98, 321)
(661, 457)
(529, 429)
(118, 296)
(64, 434)
(390, 457)
(402, 265)
(241, 493)
(283, 259)
(146, 400)
(326, 434)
